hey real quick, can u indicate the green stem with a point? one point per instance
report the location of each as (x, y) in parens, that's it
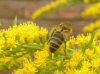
(90, 41)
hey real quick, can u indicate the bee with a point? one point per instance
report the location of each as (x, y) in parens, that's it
(59, 35)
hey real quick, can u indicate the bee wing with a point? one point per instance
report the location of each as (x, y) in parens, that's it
(50, 34)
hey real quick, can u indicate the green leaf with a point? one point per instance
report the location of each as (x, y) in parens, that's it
(14, 22)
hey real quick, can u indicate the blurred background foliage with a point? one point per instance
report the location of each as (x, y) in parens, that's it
(56, 4)
(92, 11)
(48, 13)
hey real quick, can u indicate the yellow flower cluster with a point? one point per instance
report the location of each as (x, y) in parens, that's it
(80, 41)
(4, 61)
(49, 8)
(19, 55)
(25, 32)
(29, 68)
(93, 26)
(20, 40)
(41, 58)
(93, 10)
(75, 63)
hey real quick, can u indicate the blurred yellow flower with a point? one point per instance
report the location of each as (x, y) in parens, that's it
(92, 26)
(86, 1)
(49, 8)
(93, 10)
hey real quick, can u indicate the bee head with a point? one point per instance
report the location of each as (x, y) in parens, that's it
(66, 27)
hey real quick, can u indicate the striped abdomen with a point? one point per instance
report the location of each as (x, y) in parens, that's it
(55, 42)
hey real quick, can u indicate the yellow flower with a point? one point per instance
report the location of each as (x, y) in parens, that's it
(4, 60)
(79, 41)
(25, 32)
(92, 72)
(70, 71)
(43, 33)
(41, 57)
(58, 72)
(97, 50)
(89, 53)
(28, 68)
(58, 63)
(13, 39)
(85, 68)
(76, 58)
(10, 42)
(82, 39)
(96, 63)
(28, 33)
(2, 42)
(21, 37)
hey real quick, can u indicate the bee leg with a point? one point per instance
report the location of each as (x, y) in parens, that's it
(65, 48)
(52, 55)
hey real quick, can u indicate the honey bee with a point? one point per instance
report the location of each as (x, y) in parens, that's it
(60, 34)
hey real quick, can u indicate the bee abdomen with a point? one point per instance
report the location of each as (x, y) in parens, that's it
(56, 41)
(53, 47)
